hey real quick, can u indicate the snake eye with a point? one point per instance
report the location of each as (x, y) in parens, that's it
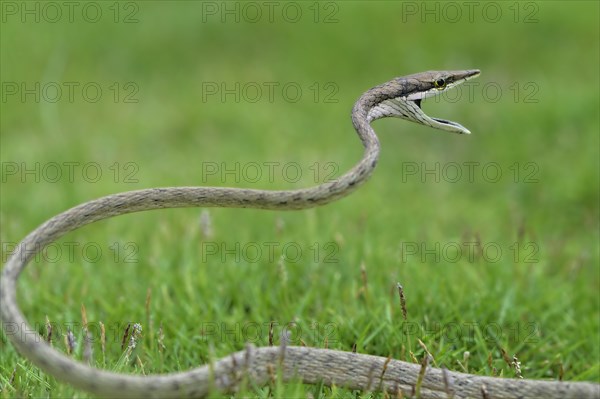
(439, 84)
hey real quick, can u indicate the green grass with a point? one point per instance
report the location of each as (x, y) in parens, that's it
(537, 299)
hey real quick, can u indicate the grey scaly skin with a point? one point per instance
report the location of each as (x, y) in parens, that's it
(399, 97)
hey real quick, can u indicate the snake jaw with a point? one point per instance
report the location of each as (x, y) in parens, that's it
(442, 124)
(405, 108)
(451, 126)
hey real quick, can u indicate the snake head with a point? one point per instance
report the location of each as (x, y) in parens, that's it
(403, 97)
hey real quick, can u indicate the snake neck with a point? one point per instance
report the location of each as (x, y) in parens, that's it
(343, 185)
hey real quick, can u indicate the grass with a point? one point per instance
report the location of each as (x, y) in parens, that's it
(200, 295)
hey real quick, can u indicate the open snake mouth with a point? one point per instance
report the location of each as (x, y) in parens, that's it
(409, 106)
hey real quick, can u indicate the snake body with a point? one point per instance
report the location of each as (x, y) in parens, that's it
(400, 97)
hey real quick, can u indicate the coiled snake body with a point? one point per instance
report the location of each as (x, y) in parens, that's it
(400, 97)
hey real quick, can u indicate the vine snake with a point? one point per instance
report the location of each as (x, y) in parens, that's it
(400, 97)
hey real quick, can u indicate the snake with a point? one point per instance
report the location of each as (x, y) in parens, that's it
(401, 98)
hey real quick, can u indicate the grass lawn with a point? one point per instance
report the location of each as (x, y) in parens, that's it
(493, 236)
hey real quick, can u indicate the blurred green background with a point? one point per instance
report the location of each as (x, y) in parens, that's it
(533, 114)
